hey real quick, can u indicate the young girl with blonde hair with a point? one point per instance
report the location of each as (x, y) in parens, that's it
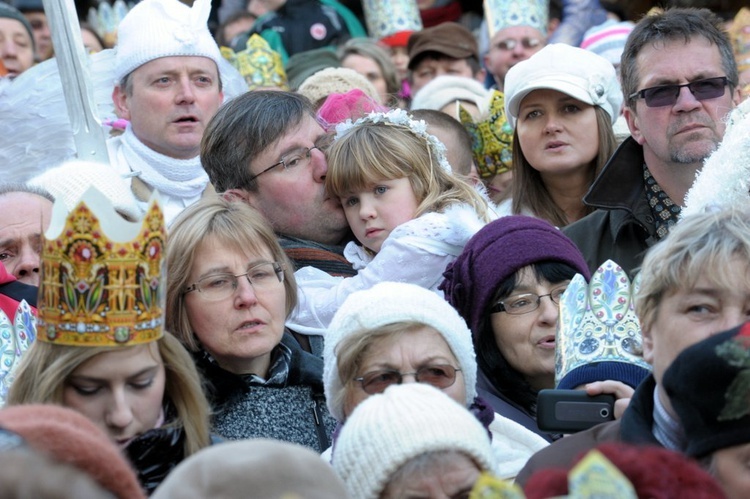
(410, 215)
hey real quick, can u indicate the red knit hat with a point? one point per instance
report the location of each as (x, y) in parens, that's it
(654, 472)
(69, 437)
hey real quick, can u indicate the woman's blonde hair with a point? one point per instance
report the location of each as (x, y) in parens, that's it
(373, 151)
(236, 226)
(699, 246)
(528, 190)
(45, 368)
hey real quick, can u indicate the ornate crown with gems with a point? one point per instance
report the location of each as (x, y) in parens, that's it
(102, 276)
(598, 334)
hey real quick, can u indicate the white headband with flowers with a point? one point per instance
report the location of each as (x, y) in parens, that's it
(401, 117)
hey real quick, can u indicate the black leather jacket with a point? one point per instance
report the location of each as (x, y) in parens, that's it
(622, 228)
(157, 452)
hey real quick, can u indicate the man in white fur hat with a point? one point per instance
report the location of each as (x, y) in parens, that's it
(168, 87)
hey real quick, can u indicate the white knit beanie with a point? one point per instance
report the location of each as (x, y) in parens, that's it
(389, 303)
(163, 28)
(70, 180)
(387, 430)
(446, 89)
(336, 81)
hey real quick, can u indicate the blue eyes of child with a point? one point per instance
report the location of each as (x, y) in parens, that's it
(378, 190)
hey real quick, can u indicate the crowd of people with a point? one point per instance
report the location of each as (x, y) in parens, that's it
(328, 249)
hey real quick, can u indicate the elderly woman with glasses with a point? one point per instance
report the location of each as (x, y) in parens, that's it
(230, 291)
(507, 285)
(396, 333)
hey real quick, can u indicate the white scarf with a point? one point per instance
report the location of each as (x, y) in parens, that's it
(180, 178)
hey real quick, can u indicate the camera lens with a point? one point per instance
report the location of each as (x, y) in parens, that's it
(604, 413)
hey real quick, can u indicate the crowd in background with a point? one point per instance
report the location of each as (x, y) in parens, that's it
(371, 249)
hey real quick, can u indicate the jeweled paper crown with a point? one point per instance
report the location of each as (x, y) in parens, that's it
(501, 14)
(259, 64)
(491, 138)
(739, 35)
(385, 19)
(597, 324)
(103, 277)
(105, 19)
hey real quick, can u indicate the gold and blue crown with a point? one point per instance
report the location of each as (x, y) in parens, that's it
(385, 19)
(501, 14)
(16, 335)
(259, 64)
(491, 138)
(103, 277)
(598, 333)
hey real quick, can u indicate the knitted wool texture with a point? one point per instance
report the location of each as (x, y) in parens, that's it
(256, 468)
(273, 412)
(69, 437)
(163, 28)
(387, 430)
(389, 303)
(336, 81)
(498, 251)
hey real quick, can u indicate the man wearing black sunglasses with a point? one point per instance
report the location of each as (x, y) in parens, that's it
(679, 79)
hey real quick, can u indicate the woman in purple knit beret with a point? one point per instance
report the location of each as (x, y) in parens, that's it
(506, 285)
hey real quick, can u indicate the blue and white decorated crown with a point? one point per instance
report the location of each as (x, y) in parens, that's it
(502, 14)
(598, 333)
(385, 19)
(17, 333)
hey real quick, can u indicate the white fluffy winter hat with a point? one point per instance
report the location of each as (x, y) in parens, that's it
(70, 180)
(389, 303)
(446, 89)
(574, 71)
(387, 430)
(163, 28)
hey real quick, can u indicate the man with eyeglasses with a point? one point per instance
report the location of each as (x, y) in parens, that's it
(518, 30)
(267, 149)
(679, 79)
(445, 49)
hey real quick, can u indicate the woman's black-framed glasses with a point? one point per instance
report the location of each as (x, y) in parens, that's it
(438, 375)
(526, 302)
(220, 286)
(667, 95)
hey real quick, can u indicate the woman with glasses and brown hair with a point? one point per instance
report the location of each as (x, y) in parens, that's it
(396, 333)
(231, 288)
(507, 285)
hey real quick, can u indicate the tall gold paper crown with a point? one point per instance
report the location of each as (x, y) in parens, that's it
(103, 277)
(739, 35)
(259, 64)
(491, 138)
(597, 324)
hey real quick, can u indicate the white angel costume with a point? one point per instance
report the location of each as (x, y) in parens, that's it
(416, 252)
(725, 177)
(36, 129)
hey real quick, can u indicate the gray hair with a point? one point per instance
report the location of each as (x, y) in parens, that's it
(674, 24)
